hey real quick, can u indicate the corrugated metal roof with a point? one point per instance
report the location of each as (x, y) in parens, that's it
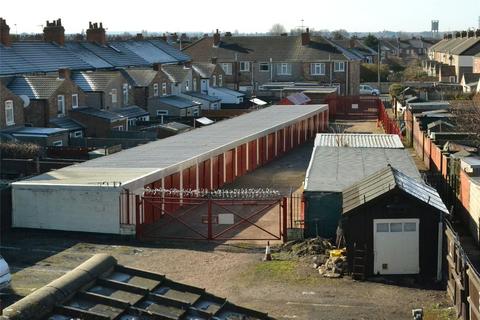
(385, 180)
(358, 140)
(35, 87)
(332, 169)
(38, 56)
(147, 163)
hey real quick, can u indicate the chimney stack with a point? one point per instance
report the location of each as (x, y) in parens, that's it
(458, 34)
(64, 73)
(54, 32)
(214, 60)
(477, 33)
(306, 37)
(464, 34)
(471, 34)
(164, 37)
(216, 38)
(96, 33)
(175, 37)
(139, 37)
(157, 66)
(4, 33)
(449, 36)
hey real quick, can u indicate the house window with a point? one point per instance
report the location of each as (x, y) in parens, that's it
(284, 69)
(264, 67)
(187, 85)
(164, 89)
(125, 94)
(317, 69)
(194, 83)
(339, 66)
(61, 105)
(220, 80)
(114, 95)
(214, 81)
(9, 115)
(74, 101)
(77, 134)
(155, 90)
(58, 143)
(195, 113)
(227, 68)
(244, 66)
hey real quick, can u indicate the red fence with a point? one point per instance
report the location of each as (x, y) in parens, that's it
(390, 126)
(353, 107)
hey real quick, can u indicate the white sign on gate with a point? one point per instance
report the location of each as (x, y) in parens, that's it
(225, 218)
(354, 105)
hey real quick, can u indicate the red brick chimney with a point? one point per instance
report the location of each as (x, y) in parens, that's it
(54, 32)
(4, 33)
(96, 33)
(64, 73)
(306, 37)
(216, 38)
(164, 37)
(139, 37)
(157, 66)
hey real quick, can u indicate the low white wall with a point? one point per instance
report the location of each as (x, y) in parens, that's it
(67, 208)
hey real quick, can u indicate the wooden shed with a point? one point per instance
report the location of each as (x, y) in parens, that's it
(393, 225)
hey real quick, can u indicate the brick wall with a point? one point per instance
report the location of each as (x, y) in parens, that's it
(7, 95)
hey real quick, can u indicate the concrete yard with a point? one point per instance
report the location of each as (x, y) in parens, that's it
(286, 288)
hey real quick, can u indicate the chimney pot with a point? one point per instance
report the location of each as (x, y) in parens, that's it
(96, 34)
(54, 32)
(157, 66)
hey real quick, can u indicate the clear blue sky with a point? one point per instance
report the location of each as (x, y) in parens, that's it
(243, 15)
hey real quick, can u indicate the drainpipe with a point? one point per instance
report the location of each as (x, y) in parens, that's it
(271, 70)
(440, 248)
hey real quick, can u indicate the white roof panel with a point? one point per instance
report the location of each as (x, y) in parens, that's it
(358, 140)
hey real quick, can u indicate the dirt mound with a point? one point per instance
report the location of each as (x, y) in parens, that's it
(308, 247)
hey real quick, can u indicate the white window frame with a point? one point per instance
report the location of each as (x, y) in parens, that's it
(155, 90)
(214, 81)
(284, 69)
(60, 104)
(220, 80)
(263, 64)
(113, 93)
(227, 68)
(317, 69)
(164, 89)
(58, 143)
(339, 66)
(125, 94)
(75, 99)
(9, 110)
(244, 66)
(77, 134)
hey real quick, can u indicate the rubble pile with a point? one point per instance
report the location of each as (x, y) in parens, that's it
(309, 247)
(333, 267)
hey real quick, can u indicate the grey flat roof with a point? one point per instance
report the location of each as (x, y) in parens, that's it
(358, 140)
(332, 169)
(150, 162)
(37, 131)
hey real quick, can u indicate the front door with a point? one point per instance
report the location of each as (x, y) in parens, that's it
(396, 246)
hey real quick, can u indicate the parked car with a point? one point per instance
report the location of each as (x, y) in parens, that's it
(366, 89)
(5, 276)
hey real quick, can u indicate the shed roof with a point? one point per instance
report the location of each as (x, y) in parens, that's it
(36, 131)
(102, 114)
(66, 123)
(152, 161)
(100, 288)
(385, 180)
(131, 112)
(358, 140)
(333, 169)
(202, 96)
(176, 101)
(229, 91)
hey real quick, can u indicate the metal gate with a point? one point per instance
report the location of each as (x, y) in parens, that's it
(185, 218)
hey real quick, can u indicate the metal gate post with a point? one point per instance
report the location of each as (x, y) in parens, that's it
(137, 216)
(209, 220)
(284, 219)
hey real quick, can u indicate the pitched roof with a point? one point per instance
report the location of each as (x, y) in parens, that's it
(458, 46)
(176, 73)
(115, 55)
(384, 181)
(262, 48)
(174, 52)
(94, 81)
(146, 51)
(100, 288)
(176, 101)
(333, 169)
(131, 112)
(35, 87)
(204, 69)
(102, 114)
(358, 140)
(38, 56)
(140, 77)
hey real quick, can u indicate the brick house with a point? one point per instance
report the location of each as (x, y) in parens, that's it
(51, 96)
(205, 75)
(99, 123)
(148, 83)
(251, 61)
(105, 89)
(180, 77)
(11, 109)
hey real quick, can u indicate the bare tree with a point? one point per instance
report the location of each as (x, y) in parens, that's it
(277, 29)
(340, 34)
(467, 118)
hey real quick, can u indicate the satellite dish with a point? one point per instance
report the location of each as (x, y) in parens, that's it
(26, 100)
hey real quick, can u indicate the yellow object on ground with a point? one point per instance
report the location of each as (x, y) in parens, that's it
(338, 252)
